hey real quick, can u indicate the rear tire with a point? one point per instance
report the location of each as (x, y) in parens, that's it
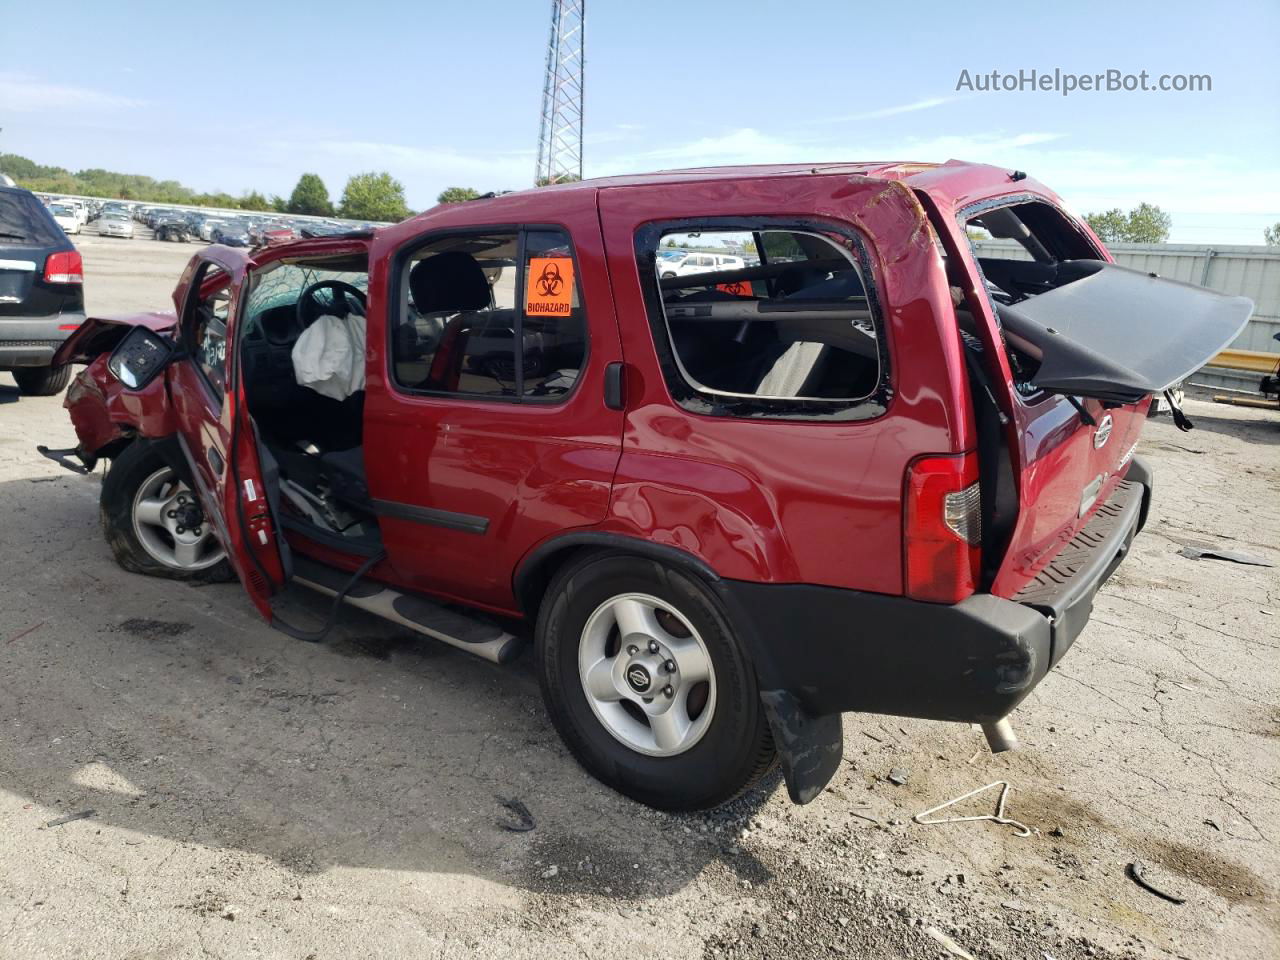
(42, 381)
(134, 475)
(615, 733)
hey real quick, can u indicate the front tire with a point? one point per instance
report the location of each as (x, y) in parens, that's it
(647, 684)
(153, 522)
(42, 381)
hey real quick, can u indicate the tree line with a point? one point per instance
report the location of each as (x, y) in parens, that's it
(375, 195)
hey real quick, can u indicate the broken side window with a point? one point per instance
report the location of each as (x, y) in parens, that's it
(768, 320)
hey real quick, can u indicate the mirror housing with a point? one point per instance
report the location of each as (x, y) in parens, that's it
(139, 357)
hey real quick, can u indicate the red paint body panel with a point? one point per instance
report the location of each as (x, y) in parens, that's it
(103, 411)
(790, 501)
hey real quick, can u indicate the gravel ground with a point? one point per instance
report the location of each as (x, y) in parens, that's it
(258, 796)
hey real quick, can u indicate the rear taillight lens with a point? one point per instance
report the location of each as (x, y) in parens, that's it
(942, 532)
(64, 267)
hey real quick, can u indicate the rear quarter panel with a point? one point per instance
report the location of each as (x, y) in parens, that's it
(789, 500)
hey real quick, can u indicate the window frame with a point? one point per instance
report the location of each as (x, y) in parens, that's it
(707, 402)
(194, 299)
(398, 298)
(964, 214)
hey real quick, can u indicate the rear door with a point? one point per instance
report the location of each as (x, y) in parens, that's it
(214, 429)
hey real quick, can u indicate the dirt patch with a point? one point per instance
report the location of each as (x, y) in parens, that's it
(1227, 879)
(804, 913)
(153, 629)
(1073, 818)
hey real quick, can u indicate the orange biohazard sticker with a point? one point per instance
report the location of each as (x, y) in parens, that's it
(739, 288)
(549, 287)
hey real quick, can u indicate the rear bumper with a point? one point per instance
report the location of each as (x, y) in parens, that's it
(31, 341)
(820, 651)
(841, 650)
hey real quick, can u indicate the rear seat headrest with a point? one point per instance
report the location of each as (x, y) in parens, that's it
(448, 281)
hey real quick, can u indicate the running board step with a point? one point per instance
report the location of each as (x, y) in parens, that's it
(486, 640)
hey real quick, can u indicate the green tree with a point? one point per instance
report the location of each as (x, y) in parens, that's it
(1145, 223)
(373, 196)
(457, 194)
(254, 201)
(1110, 225)
(310, 197)
(1149, 224)
(1271, 235)
(563, 178)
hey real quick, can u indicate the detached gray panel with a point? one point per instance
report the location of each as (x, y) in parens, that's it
(1118, 334)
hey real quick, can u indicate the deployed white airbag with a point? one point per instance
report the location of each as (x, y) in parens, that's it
(329, 356)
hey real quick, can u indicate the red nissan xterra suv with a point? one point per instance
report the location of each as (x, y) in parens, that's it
(850, 467)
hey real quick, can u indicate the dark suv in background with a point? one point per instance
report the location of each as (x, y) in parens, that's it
(41, 293)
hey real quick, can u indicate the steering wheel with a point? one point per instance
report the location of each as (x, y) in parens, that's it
(309, 308)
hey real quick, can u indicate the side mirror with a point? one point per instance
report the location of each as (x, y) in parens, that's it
(139, 357)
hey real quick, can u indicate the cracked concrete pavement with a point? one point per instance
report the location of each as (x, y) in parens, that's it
(258, 796)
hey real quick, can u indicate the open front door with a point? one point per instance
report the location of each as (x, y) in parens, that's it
(213, 425)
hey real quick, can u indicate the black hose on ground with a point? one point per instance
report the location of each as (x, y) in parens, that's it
(316, 636)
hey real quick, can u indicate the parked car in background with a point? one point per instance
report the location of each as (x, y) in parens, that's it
(691, 263)
(233, 234)
(64, 215)
(282, 233)
(41, 292)
(115, 225)
(207, 227)
(171, 226)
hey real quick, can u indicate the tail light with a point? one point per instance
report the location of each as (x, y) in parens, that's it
(942, 533)
(64, 267)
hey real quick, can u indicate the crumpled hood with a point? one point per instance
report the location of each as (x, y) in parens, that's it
(100, 334)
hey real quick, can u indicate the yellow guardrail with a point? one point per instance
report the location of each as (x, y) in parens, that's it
(1250, 361)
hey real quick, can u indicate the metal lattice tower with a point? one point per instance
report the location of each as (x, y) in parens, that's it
(560, 136)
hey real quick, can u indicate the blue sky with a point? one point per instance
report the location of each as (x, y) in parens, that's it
(233, 96)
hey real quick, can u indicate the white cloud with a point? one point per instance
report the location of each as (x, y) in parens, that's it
(22, 94)
(893, 111)
(1212, 197)
(750, 146)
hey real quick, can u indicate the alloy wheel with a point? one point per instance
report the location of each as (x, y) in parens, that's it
(647, 675)
(171, 526)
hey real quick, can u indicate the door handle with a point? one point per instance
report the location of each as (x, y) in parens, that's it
(215, 459)
(614, 385)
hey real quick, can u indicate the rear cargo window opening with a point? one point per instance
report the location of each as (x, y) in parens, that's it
(1045, 238)
(764, 319)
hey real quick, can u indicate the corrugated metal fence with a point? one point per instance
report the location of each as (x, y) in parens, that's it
(1249, 271)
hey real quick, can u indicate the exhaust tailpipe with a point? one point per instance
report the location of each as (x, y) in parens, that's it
(1000, 735)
